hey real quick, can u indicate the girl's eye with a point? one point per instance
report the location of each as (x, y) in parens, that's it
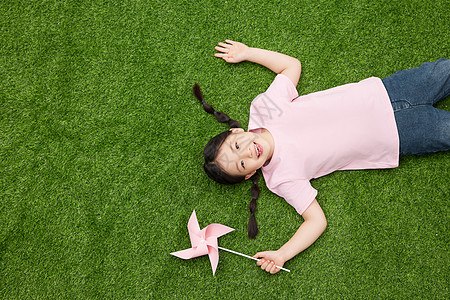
(242, 164)
(237, 146)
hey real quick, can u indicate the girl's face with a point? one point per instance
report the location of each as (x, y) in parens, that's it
(242, 153)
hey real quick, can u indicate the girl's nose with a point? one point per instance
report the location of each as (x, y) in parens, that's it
(247, 153)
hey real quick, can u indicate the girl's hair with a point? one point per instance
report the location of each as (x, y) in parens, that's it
(212, 168)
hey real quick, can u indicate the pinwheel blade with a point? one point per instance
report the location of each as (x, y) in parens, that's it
(213, 258)
(217, 230)
(194, 230)
(184, 254)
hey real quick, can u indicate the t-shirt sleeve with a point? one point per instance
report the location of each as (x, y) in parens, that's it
(269, 104)
(282, 87)
(298, 193)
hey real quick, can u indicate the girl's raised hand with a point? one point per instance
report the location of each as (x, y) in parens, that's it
(231, 51)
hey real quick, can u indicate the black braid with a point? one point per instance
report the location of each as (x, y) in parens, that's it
(215, 172)
(254, 191)
(220, 116)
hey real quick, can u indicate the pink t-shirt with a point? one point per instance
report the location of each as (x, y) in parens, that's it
(343, 128)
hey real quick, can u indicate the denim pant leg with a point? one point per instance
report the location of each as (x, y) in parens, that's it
(426, 84)
(422, 128)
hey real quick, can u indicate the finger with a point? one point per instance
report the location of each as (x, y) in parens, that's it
(269, 266)
(259, 255)
(260, 262)
(224, 45)
(230, 42)
(221, 55)
(274, 270)
(221, 49)
(264, 265)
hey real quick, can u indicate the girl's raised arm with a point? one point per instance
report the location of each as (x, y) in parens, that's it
(234, 52)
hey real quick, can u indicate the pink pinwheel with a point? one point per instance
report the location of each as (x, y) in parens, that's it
(203, 241)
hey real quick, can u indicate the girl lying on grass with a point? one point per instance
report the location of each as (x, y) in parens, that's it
(292, 139)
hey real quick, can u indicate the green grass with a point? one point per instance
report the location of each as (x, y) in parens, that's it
(101, 149)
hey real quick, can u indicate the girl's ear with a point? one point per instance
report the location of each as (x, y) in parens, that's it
(250, 175)
(237, 130)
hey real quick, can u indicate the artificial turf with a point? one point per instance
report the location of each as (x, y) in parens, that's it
(101, 149)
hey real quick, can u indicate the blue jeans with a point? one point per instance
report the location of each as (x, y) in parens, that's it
(422, 128)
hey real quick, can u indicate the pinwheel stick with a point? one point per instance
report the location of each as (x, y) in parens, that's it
(234, 252)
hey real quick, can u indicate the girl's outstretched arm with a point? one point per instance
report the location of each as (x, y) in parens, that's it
(312, 227)
(234, 52)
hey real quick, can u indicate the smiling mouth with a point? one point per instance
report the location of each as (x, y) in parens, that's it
(258, 149)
